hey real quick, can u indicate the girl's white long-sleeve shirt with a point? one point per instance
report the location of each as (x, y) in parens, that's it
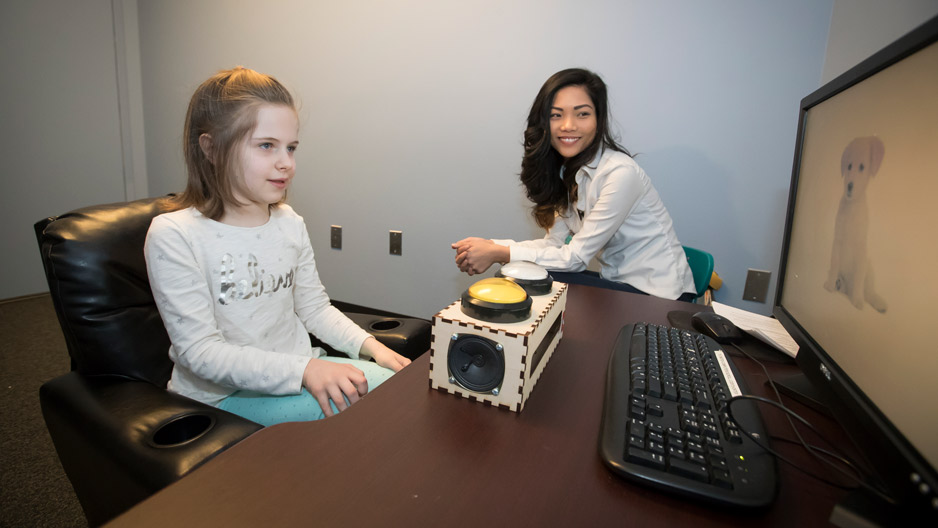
(239, 303)
(624, 225)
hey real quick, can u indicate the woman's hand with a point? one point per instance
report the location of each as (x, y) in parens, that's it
(326, 381)
(475, 255)
(383, 355)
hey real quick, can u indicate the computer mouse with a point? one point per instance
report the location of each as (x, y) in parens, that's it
(721, 329)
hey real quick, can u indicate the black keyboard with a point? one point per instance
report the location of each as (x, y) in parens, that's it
(665, 422)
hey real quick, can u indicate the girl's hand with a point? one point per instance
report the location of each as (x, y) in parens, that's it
(383, 355)
(326, 381)
(475, 255)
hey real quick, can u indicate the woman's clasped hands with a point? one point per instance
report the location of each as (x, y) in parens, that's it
(474, 255)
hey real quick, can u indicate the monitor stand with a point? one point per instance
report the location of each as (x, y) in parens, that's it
(864, 509)
(798, 388)
(861, 508)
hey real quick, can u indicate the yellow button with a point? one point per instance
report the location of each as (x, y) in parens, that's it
(497, 290)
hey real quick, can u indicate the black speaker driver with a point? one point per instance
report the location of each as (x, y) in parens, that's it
(476, 363)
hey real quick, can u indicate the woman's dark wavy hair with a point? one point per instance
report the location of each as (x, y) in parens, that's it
(540, 167)
(225, 107)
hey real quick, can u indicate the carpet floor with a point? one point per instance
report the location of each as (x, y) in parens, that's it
(34, 490)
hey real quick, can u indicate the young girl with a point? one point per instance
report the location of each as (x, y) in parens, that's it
(591, 197)
(233, 272)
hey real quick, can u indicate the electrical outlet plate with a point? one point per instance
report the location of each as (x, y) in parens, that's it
(396, 237)
(757, 285)
(335, 237)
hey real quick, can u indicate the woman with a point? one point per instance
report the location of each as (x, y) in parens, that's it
(591, 197)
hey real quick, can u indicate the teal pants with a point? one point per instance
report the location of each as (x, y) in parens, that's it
(266, 409)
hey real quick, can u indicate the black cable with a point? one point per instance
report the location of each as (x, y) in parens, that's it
(843, 460)
(782, 361)
(813, 450)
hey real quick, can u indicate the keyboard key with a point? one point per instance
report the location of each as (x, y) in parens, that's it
(637, 442)
(638, 346)
(733, 436)
(697, 458)
(637, 428)
(670, 391)
(722, 478)
(658, 428)
(692, 427)
(717, 462)
(714, 446)
(645, 458)
(694, 446)
(689, 469)
(638, 387)
(676, 435)
(638, 412)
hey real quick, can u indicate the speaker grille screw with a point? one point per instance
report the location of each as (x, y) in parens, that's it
(495, 391)
(452, 380)
(454, 337)
(499, 347)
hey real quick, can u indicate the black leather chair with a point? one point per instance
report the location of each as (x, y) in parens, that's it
(120, 435)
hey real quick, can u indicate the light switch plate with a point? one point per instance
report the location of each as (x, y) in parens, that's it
(335, 237)
(757, 285)
(396, 237)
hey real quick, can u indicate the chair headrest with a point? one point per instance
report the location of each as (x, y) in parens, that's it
(94, 264)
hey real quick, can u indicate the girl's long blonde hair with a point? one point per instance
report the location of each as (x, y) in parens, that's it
(225, 107)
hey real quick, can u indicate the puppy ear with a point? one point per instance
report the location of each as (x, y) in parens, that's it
(877, 151)
(845, 157)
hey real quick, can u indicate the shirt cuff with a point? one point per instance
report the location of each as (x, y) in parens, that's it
(517, 253)
(297, 381)
(357, 345)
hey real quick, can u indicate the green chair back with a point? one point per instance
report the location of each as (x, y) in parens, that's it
(701, 266)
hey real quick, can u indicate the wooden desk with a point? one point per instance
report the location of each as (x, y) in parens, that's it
(407, 455)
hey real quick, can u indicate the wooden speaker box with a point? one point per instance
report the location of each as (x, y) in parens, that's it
(495, 362)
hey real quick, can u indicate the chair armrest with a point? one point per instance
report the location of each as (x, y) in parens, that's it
(408, 336)
(121, 440)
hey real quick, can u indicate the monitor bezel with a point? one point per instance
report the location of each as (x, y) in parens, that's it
(899, 467)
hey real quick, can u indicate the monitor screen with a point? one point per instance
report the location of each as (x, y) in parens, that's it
(858, 279)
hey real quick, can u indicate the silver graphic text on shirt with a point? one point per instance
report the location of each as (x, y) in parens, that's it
(257, 284)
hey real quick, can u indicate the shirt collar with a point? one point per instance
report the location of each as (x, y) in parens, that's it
(588, 169)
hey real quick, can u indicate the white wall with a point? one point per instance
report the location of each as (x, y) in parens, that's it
(413, 112)
(860, 28)
(413, 115)
(63, 139)
(59, 131)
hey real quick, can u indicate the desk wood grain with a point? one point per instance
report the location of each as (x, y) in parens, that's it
(408, 455)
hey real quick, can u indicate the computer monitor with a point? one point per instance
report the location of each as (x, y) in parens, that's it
(858, 279)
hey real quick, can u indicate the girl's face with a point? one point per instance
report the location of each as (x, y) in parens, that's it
(572, 121)
(267, 163)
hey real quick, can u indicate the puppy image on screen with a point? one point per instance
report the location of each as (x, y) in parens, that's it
(851, 273)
